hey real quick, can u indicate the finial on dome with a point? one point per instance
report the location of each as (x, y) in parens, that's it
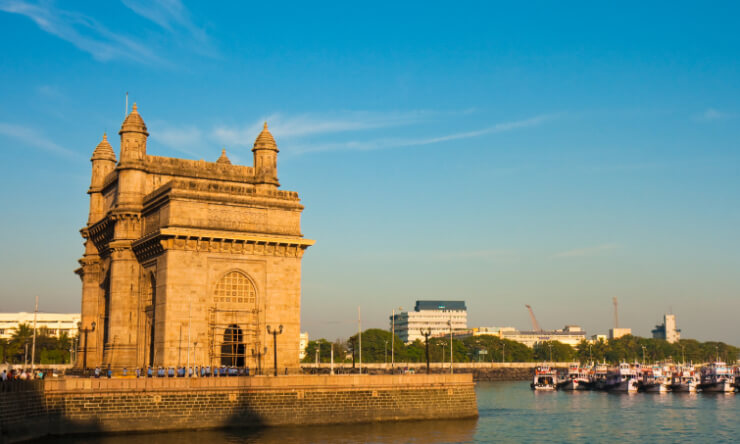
(134, 108)
(265, 126)
(105, 137)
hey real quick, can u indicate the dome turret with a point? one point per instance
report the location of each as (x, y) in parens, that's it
(133, 123)
(265, 141)
(104, 151)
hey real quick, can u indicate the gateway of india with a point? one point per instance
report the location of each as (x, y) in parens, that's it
(189, 262)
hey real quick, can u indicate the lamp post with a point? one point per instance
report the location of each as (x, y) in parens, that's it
(550, 345)
(385, 354)
(643, 354)
(589, 353)
(503, 352)
(451, 347)
(84, 352)
(274, 333)
(426, 334)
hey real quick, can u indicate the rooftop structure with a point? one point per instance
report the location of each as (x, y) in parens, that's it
(616, 333)
(437, 316)
(570, 334)
(54, 323)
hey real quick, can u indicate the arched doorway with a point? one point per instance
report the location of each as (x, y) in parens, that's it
(232, 349)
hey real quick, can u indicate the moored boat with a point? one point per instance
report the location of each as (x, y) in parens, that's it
(685, 379)
(545, 378)
(576, 379)
(717, 377)
(654, 379)
(623, 379)
(598, 376)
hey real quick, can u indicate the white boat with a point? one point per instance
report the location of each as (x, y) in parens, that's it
(654, 379)
(577, 378)
(685, 379)
(623, 379)
(545, 378)
(717, 377)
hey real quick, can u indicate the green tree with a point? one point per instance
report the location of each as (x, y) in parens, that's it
(554, 351)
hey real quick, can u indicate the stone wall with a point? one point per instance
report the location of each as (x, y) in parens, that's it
(81, 405)
(483, 371)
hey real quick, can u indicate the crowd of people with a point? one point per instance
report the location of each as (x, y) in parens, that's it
(177, 372)
(21, 374)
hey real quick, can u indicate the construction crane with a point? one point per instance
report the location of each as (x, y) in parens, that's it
(616, 313)
(535, 325)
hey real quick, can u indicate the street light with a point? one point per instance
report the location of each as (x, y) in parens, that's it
(426, 334)
(503, 352)
(589, 353)
(643, 355)
(550, 345)
(274, 333)
(385, 354)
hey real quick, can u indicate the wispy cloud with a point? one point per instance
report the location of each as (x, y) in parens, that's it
(34, 138)
(293, 127)
(588, 251)
(174, 17)
(386, 143)
(300, 134)
(711, 114)
(84, 32)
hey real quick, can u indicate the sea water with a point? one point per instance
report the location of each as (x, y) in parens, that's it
(511, 413)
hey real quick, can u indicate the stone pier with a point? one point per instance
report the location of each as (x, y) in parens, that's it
(32, 409)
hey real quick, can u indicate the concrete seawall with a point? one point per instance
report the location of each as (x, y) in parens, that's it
(32, 409)
(481, 371)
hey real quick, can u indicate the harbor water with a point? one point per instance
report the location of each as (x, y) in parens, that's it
(511, 412)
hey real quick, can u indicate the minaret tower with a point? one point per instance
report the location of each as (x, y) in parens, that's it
(265, 160)
(122, 299)
(103, 162)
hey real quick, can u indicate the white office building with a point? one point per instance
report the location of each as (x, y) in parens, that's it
(54, 323)
(435, 316)
(667, 330)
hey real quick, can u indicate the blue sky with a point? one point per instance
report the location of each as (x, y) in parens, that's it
(500, 154)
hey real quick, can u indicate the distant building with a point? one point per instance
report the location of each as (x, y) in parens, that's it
(438, 316)
(616, 333)
(570, 334)
(597, 338)
(54, 323)
(303, 344)
(667, 330)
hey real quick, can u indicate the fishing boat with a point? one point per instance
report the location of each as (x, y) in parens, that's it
(684, 378)
(598, 376)
(623, 379)
(717, 377)
(577, 378)
(654, 379)
(545, 378)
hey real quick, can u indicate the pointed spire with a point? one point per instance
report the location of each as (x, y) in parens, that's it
(265, 141)
(223, 159)
(133, 123)
(104, 151)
